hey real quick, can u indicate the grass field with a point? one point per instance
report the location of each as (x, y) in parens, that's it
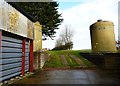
(54, 61)
(118, 50)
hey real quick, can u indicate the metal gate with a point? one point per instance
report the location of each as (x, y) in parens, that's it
(11, 57)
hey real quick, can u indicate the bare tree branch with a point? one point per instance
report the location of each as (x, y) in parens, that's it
(65, 39)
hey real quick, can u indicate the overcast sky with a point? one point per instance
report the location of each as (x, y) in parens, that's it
(80, 14)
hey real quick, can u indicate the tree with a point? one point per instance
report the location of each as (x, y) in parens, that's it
(64, 42)
(46, 13)
(67, 34)
(59, 42)
(69, 45)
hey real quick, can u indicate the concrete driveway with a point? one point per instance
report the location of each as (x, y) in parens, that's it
(72, 77)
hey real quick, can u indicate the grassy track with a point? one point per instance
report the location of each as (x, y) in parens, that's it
(54, 61)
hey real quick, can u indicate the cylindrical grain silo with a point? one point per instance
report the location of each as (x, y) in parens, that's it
(103, 37)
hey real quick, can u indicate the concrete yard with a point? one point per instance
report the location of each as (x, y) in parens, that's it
(72, 77)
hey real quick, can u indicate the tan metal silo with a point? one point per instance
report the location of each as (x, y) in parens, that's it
(103, 37)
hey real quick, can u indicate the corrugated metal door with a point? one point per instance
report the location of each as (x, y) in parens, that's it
(27, 56)
(11, 57)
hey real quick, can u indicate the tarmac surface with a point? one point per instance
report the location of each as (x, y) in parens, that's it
(72, 77)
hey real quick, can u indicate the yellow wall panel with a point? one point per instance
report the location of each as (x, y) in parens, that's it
(37, 37)
(13, 21)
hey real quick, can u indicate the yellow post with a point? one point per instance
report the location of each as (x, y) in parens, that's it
(37, 36)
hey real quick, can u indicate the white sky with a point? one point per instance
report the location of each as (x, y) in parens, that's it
(81, 16)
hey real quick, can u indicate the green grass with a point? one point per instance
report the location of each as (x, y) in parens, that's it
(71, 62)
(118, 50)
(55, 61)
(77, 53)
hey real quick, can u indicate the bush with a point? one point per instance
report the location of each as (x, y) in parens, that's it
(67, 46)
